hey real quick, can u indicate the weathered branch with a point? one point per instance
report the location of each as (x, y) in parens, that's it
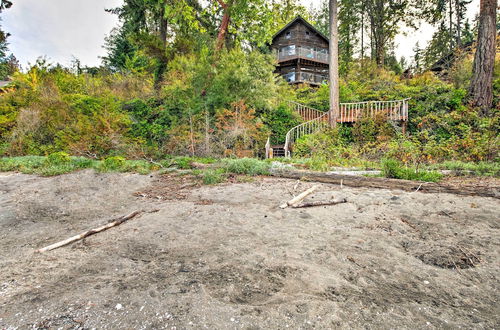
(384, 183)
(320, 203)
(299, 198)
(90, 232)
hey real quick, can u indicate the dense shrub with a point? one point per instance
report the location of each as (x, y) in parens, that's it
(280, 121)
(58, 158)
(103, 114)
(113, 163)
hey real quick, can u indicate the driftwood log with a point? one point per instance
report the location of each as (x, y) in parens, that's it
(90, 232)
(299, 198)
(384, 183)
(320, 203)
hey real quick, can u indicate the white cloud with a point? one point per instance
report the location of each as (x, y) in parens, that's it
(59, 29)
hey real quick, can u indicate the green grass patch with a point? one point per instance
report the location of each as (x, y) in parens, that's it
(59, 164)
(45, 166)
(248, 166)
(185, 163)
(392, 168)
(479, 169)
(213, 176)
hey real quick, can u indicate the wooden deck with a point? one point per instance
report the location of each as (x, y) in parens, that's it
(316, 120)
(352, 112)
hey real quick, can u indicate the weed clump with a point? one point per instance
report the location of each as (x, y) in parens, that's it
(249, 166)
(213, 176)
(113, 163)
(58, 158)
(392, 168)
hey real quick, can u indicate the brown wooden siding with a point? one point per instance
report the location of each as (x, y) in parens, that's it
(302, 65)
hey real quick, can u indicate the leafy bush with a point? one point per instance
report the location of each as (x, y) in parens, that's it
(213, 176)
(371, 129)
(279, 121)
(58, 158)
(113, 163)
(183, 162)
(391, 168)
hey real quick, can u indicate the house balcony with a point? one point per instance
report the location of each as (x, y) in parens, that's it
(292, 52)
(305, 78)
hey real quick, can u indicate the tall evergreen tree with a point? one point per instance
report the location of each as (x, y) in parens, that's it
(481, 87)
(349, 24)
(334, 63)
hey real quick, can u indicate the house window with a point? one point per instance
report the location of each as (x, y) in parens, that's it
(288, 35)
(308, 35)
(288, 50)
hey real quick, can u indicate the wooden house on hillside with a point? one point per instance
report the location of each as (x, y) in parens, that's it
(302, 53)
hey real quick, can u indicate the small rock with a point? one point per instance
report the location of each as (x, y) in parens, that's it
(118, 306)
(426, 282)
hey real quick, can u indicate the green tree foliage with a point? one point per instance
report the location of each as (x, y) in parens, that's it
(51, 109)
(452, 32)
(8, 62)
(442, 126)
(166, 89)
(199, 109)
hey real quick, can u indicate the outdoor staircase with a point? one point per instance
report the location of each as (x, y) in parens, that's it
(316, 120)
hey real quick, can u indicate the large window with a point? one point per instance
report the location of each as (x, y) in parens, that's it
(287, 51)
(289, 77)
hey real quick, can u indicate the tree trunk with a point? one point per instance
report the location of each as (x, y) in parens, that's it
(376, 12)
(162, 57)
(481, 88)
(379, 53)
(334, 64)
(362, 34)
(458, 10)
(223, 26)
(451, 24)
(163, 27)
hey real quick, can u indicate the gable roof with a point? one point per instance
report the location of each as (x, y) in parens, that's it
(303, 21)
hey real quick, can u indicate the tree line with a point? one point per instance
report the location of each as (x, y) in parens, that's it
(197, 77)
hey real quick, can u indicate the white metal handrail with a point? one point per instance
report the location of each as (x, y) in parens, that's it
(309, 127)
(305, 112)
(348, 112)
(393, 110)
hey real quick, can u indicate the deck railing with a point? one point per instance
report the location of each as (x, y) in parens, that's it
(348, 112)
(290, 53)
(305, 77)
(309, 127)
(393, 110)
(305, 112)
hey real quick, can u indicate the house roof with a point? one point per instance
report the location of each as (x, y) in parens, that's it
(303, 21)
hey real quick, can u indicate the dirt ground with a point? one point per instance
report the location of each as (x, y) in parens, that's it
(227, 257)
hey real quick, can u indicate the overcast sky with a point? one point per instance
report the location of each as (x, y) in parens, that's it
(61, 29)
